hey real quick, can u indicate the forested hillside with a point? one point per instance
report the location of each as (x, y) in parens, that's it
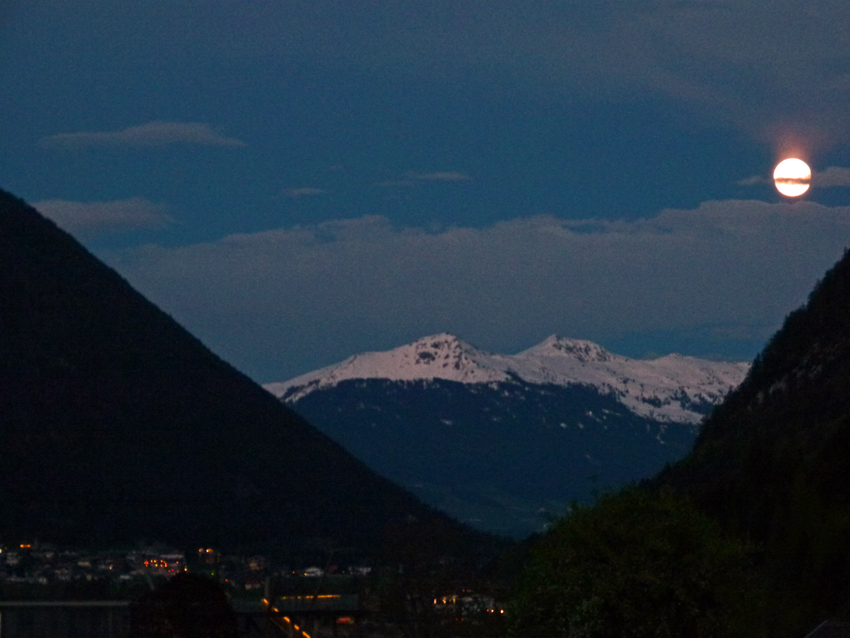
(748, 535)
(772, 463)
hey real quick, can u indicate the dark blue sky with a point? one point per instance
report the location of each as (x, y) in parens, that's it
(296, 182)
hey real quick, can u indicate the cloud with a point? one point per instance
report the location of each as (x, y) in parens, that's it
(775, 69)
(832, 176)
(150, 134)
(397, 183)
(755, 180)
(747, 63)
(304, 191)
(411, 178)
(444, 176)
(308, 292)
(89, 219)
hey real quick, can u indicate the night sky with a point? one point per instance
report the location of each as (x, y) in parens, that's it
(296, 182)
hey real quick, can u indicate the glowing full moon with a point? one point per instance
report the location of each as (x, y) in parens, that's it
(792, 177)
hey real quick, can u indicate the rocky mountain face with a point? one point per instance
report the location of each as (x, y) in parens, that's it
(773, 461)
(117, 425)
(503, 442)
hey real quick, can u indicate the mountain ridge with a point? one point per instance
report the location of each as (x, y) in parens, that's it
(665, 388)
(502, 442)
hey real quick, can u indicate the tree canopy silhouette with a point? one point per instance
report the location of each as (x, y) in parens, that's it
(638, 564)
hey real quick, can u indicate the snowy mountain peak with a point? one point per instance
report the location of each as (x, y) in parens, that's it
(579, 349)
(443, 350)
(440, 356)
(671, 388)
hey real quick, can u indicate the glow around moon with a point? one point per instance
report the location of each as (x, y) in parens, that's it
(792, 177)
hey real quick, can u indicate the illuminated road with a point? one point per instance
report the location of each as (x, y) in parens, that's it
(283, 622)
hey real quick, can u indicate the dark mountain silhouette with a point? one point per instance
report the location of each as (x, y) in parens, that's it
(773, 461)
(117, 425)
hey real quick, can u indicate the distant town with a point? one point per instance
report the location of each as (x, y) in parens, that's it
(45, 565)
(44, 587)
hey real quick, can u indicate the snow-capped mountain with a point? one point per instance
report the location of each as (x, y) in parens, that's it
(502, 441)
(671, 389)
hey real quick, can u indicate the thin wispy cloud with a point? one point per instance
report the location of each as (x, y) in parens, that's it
(90, 219)
(150, 134)
(397, 183)
(755, 180)
(830, 177)
(304, 191)
(411, 178)
(440, 176)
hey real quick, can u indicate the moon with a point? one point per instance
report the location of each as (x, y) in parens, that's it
(792, 177)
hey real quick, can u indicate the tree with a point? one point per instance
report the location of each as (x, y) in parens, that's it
(636, 564)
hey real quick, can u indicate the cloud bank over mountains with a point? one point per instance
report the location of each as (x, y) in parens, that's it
(736, 266)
